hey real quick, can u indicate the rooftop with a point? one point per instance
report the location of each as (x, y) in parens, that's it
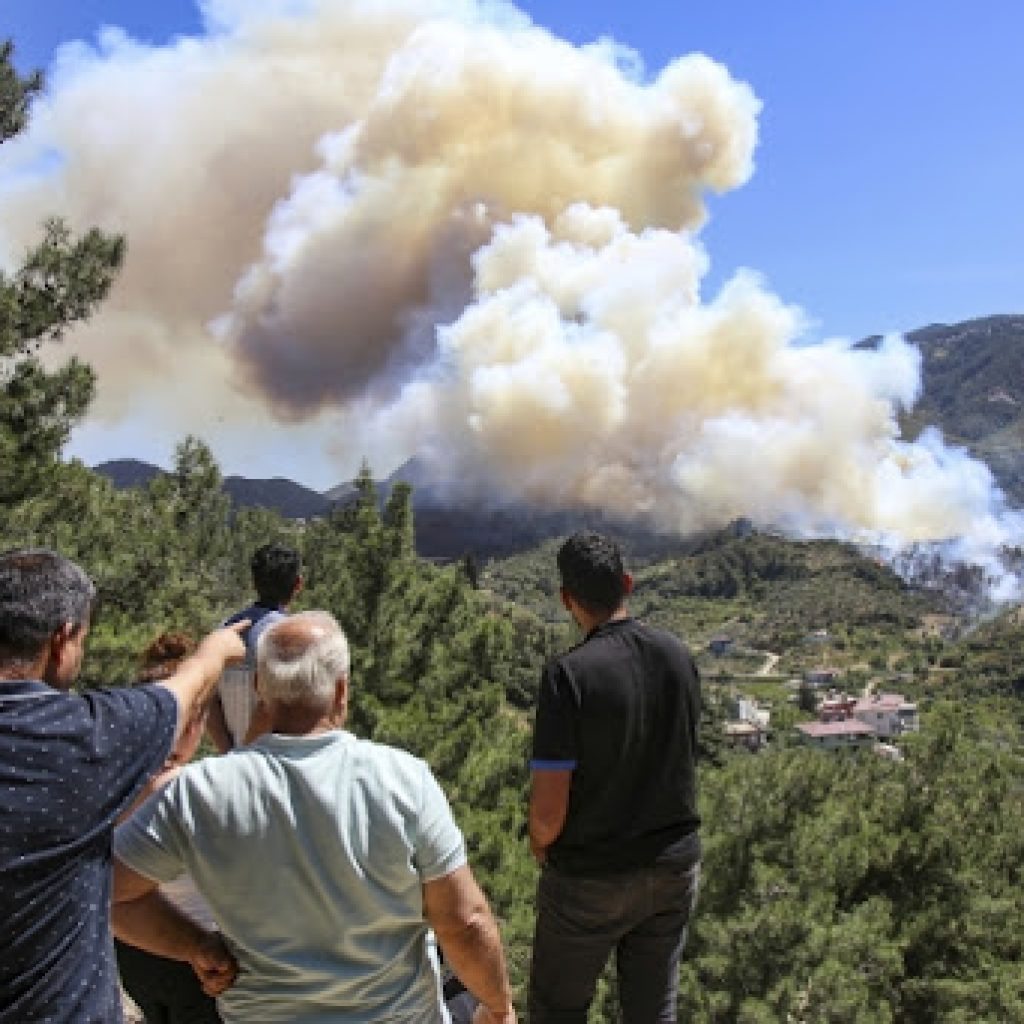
(885, 702)
(847, 727)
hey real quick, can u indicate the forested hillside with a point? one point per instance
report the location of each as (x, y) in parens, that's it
(973, 390)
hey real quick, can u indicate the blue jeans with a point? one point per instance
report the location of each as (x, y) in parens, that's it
(642, 915)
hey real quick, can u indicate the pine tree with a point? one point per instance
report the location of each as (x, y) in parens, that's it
(59, 283)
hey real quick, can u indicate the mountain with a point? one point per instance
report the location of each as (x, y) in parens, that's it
(290, 499)
(450, 525)
(124, 473)
(973, 389)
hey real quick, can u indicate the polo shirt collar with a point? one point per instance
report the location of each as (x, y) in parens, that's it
(23, 688)
(280, 743)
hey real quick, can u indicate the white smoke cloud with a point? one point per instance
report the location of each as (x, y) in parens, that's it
(430, 226)
(587, 370)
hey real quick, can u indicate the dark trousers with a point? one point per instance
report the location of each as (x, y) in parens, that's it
(642, 915)
(166, 991)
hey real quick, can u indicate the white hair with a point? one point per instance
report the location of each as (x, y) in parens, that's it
(302, 673)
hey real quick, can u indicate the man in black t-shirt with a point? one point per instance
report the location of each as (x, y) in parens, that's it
(235, 713)
(613, 807)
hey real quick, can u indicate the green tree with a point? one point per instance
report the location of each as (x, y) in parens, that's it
(15, 93)
(59, 283)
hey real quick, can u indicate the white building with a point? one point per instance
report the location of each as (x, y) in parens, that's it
(748, 710)
(750, 730)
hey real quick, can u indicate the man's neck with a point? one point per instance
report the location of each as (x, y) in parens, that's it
(17, 671)
(588, 621)
(296, 720)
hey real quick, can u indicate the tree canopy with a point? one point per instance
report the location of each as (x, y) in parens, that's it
(60, 282)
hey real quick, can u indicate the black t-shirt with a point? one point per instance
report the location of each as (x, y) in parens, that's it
(69, 766)
(255, 613)
(621, 710)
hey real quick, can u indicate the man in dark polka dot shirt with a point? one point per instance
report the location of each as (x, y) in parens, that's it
(70, 764)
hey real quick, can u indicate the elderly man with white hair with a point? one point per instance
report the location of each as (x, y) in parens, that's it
(329, 862)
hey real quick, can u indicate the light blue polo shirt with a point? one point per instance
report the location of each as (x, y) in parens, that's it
(312, 853)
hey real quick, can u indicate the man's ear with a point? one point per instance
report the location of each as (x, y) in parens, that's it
(341, 694)
(299, 584)
(56, 651)
(59, 639)
(627, 584)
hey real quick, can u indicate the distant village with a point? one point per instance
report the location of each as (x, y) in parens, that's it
(843, 721)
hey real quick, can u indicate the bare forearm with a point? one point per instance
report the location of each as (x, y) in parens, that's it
(154, 924)
(543, 832)
(549, 806)
(151, 923)
(475, 954)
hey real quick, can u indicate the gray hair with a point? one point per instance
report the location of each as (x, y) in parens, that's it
(40, 591)
(301, 665)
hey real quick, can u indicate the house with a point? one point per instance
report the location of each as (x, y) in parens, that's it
(748, 735)
(836, 707)
(849, 734)
(720, 645)
(816, 677)
(748, 710)
(750, 729)
(889, 714)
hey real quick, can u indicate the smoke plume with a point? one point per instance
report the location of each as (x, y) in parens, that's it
(429, 226)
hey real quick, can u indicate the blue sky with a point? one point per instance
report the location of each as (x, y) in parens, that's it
(889, 172)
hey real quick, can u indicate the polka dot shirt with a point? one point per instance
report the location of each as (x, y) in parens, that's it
(70, 764)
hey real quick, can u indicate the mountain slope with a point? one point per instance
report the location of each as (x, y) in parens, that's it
(974, 391)
(290, 499)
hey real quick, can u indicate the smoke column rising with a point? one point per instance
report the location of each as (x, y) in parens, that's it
(433, 222)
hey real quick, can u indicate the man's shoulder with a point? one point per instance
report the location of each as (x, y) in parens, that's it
(390, 770)
(641, 637)
(242, 613)
(659, 637)
(216, 779)
(141, 700)
(254, 757)
(112, 702)
(386, 756)
(255, 613)
(637, 630)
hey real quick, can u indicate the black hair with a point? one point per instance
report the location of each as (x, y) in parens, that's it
(590, 565)
(40, 591)
(275, 571)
